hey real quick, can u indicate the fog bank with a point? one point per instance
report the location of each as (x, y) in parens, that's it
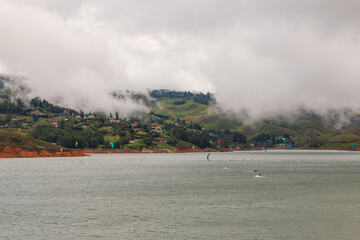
(263, 56)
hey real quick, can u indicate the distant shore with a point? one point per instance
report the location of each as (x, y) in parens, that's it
(190, 150)
(15, 152)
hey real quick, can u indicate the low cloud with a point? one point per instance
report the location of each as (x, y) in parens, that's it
(265, 57)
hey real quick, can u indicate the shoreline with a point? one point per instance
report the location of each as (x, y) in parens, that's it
(15, 152)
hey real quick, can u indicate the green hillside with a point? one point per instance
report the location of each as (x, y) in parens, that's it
(25, 142)
(304, 129)
(176, 120)
(181, 108)
(342, 139)
(189, 110)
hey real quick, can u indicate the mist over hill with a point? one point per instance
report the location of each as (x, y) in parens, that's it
(260, 57)
(13, 87)
(179, 115)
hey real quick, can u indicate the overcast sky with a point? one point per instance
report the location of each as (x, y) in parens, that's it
(266, 56)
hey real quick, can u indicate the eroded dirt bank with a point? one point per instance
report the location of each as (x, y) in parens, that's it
(14, 152)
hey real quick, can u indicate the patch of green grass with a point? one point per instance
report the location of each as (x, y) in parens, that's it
(111, 138)
(189, 110)
(354, 130)
(343, 138)
(25, 142)
(137, 145)
(164, 145)
(141, 133)
(337, 145)
(184, 144)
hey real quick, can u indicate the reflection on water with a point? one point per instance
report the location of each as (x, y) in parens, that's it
(300, 195)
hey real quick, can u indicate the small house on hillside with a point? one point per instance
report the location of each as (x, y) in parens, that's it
(135, 124)
(160, 139)
(156, 129)
(35, 112)
(114, 121)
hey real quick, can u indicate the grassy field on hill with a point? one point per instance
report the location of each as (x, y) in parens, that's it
(25, 142)
(344, 138)
(182, 109)
(189, 110)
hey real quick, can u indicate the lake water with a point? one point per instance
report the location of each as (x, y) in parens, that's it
(300, 195)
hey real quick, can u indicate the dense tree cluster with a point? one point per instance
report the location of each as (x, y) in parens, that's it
(68, 136)
(198, 97)
(43, 104)
(9, 107)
